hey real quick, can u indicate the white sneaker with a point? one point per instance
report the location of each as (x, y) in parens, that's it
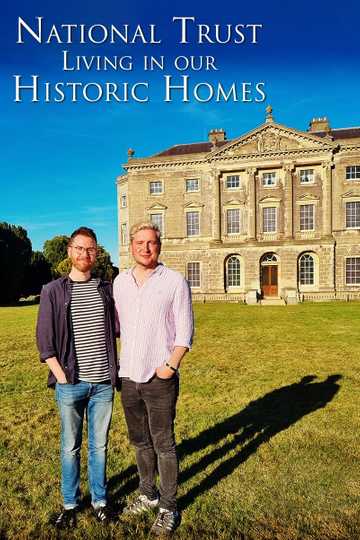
(140, 505)
(166, 522)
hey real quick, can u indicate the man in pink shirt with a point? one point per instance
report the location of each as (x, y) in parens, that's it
(156, 328)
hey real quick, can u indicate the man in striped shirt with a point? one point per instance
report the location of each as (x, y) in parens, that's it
(76, 338)
(156, 327)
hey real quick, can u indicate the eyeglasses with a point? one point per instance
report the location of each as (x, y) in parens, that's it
(81, 250)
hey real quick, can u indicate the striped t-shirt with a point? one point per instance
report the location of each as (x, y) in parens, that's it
(88, 323)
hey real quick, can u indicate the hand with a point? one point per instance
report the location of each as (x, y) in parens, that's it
(164, 372)
(62, 379)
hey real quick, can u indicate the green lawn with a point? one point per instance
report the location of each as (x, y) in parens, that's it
(267, 427)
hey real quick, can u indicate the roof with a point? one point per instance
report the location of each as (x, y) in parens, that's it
(193, 148)
(207, 146)
(341, 133)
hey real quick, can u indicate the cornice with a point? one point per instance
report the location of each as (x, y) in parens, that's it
(250, 158)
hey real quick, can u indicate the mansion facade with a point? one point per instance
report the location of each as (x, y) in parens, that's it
(272, 213)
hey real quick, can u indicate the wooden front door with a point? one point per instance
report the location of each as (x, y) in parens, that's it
(269, 280)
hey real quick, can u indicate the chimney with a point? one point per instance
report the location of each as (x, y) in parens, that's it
(217, 135)
(319, 124)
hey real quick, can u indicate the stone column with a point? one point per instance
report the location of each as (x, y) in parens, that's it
(327, 198)
(251, 203)
(288, 200)
(216, 214)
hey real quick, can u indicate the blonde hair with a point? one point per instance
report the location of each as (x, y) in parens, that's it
(143, 226)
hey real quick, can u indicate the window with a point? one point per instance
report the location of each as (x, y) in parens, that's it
(156, 187)
(269, 179)
(306, 176)
(353, 172)
(192, 184)
(157, 219)
(353, 271)
(307, 217)
(193, 274)
(353, 215)
(192, 224)
(124, 239)
(233, 220)
(233, 271)
(269, 219)
(123, 200)
(306, 269)
(233, 181)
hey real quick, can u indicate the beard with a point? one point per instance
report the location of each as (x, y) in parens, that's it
(83, 265)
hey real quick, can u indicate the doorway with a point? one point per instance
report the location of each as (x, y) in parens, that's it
(269, 275)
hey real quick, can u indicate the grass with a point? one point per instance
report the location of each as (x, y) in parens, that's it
(267, 428)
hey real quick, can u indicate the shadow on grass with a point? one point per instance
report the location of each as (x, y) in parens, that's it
(251, 427)
(254, 425)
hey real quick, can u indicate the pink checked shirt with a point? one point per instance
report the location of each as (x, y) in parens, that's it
(154, 318)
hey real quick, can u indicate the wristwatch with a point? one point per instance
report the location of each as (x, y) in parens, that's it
(170, 367)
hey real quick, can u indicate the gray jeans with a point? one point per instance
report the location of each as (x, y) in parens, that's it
(150, 413)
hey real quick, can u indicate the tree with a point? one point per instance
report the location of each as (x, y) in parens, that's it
(55, 251)
(36, 274)
(64, 267)
(103, 268)
(15, 257)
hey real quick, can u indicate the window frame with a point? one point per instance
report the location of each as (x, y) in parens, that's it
(306, 283)
(301, 178)
(356, 215)
(152, 183)
(239, 273)
(352, 176)
(269, 174)
(123, 198)
(161, 214)
(124, 234)
(264, 209)
(229, 178)
(192, 212)
(192, 180)
(231, 211)
(199, 274)
(303, 219)
(347, 259)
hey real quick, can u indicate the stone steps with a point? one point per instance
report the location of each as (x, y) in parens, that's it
(272, 302)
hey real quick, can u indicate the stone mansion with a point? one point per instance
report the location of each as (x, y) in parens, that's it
(272, 213)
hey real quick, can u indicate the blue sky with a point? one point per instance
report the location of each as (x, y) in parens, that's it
(59, 161)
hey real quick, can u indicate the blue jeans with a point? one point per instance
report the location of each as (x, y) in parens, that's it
(73, 400)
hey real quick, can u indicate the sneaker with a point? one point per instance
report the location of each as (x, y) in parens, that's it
(103, 514)
(66, 519)
(166, 522)
(140, 505)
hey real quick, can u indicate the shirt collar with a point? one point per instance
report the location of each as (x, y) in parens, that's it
(158, 270)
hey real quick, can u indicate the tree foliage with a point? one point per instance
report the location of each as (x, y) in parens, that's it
(37, 274)
(15, 257)
(64, 267)
(103, 268)
(55, 251)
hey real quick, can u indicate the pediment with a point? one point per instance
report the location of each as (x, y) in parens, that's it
(351, 194)
(157, 206)
(308, 197)
(272, 138)
(270, 200)
(235, 202)
(193, 205)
